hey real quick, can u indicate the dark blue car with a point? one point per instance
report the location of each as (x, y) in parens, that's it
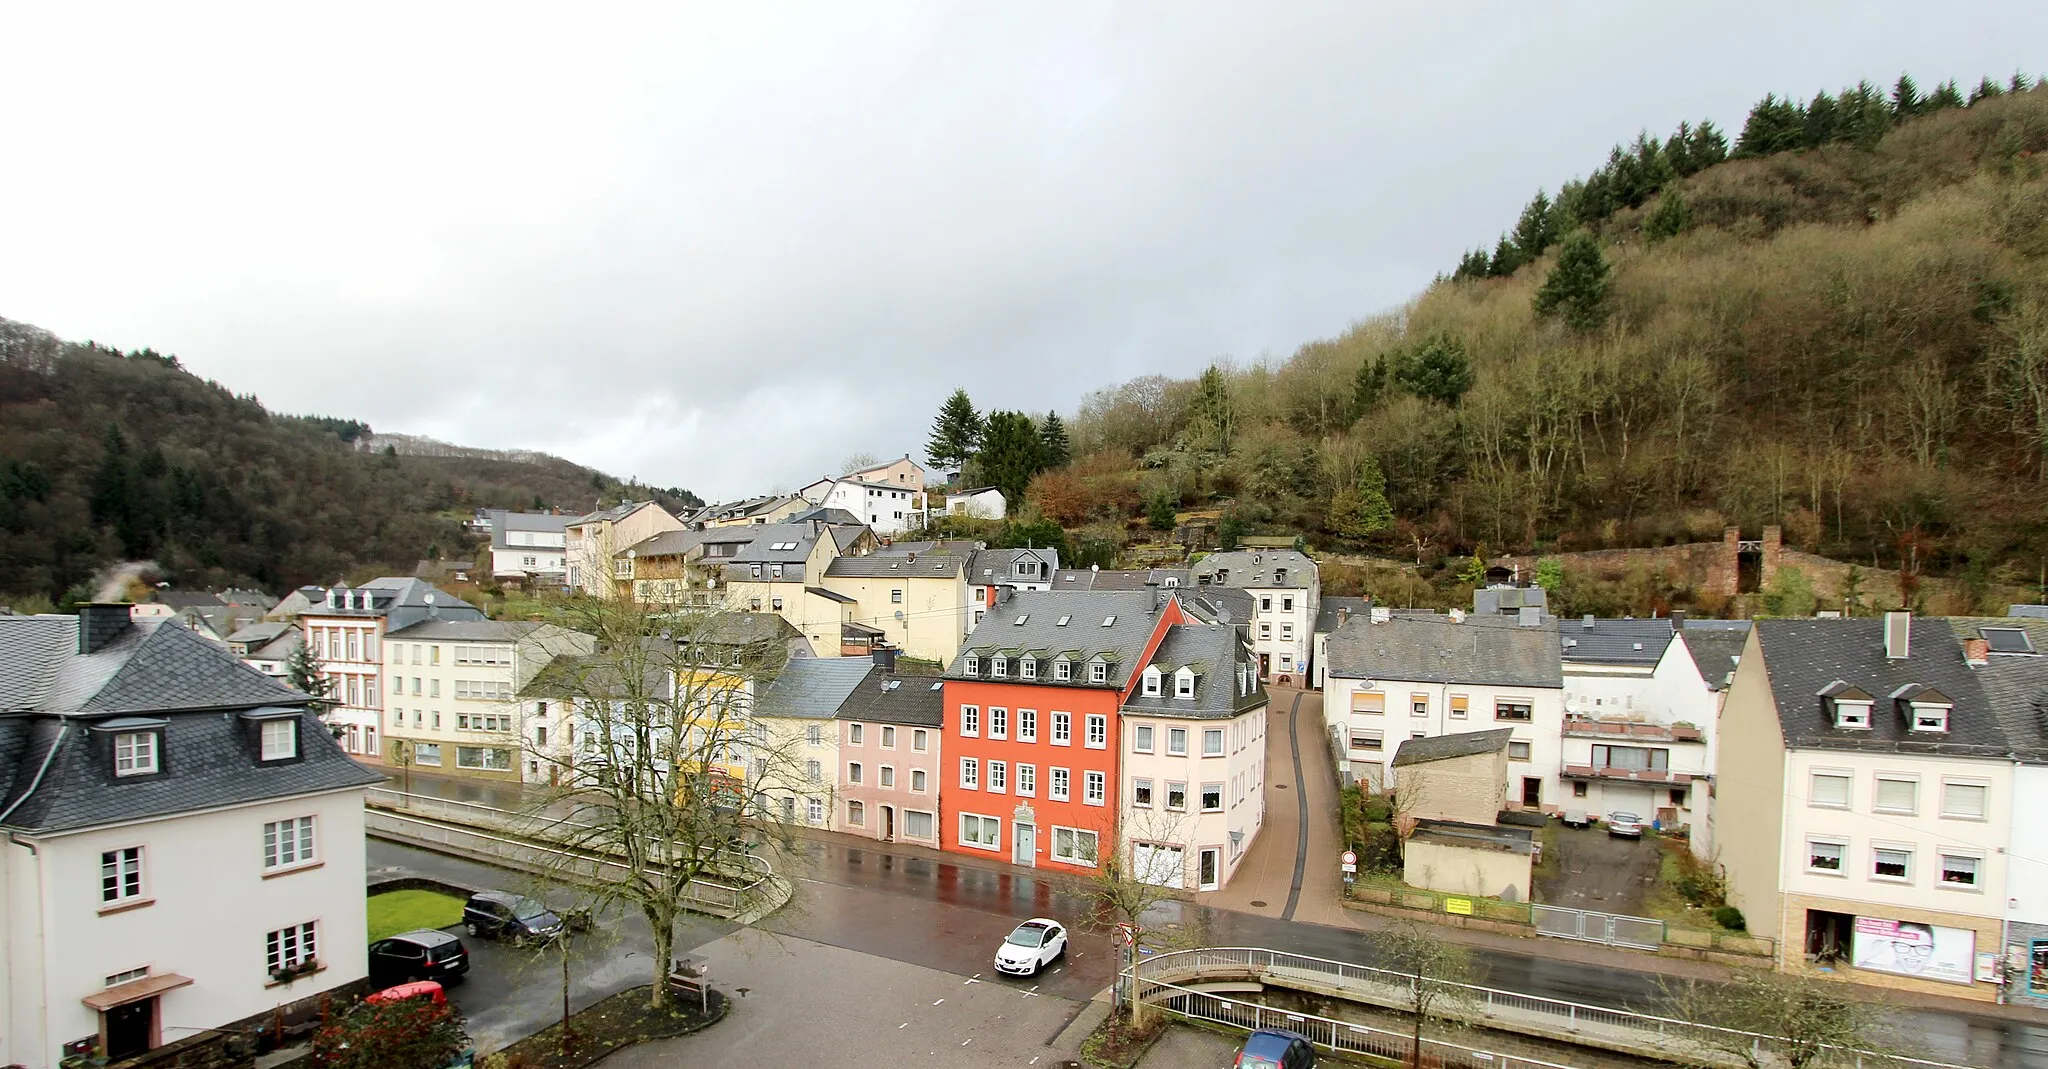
(1276, 1048)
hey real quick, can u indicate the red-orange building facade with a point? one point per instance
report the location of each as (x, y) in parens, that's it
(1031, 733)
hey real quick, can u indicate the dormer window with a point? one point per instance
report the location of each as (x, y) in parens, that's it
(1063, 670)
(1847, 707)
(135, 753)
(1027, 668)
(1184, 683)
(1849, 714)
(1925, 708)
(999, 666)
(1151, 684)
(278, 739)
(1098, 672)
(1930, 717)
(972, 666)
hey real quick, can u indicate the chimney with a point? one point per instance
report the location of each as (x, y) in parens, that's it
(1677, 620)
(1343, 616)
(1457, 616)
(1152, 588)
(1898, 634)
(100, 623)
(1976, 652)
(1530, 616)
(885, 658)
(1586, 621)
(1381, 614)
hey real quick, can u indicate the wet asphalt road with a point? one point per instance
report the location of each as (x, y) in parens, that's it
(940, 915)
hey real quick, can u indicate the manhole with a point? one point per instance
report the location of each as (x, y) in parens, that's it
(1258, 903)
(1279, 786)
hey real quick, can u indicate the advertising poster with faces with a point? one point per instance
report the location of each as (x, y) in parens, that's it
(1909, 948)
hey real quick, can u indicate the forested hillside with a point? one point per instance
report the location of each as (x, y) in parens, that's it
(1839, 324)
(108, 456)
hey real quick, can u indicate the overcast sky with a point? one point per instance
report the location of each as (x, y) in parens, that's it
(727, 247)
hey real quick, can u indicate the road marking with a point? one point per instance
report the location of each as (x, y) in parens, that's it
(966, 1041)
(936, 1003)
(975, 979)
(905, 1024)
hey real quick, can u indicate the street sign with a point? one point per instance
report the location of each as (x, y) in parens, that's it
(1124, 935)
(1350, 859)
(1349, 867)
(1460, 906)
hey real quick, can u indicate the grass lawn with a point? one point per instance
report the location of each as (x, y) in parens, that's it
(402, 911)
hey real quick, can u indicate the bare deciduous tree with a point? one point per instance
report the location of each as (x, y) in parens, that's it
(1804, 1016)
(664, 772)
(1438, 971)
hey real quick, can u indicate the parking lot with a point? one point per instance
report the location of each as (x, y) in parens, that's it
(1597, 872)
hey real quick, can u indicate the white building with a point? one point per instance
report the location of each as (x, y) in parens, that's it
(984, 503)
(1395, 677)
(990, 572)
(529, 547)
(267, 646)
(1332, 614)
(345, 629)
(887, 508)
(186, 842)
(1288, 592)
(1866, 802)
(1193, 759)
(451, 695)
(1638, 720)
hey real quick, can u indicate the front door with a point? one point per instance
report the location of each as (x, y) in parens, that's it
(1532, 792)
(889, 823)
(1265, 665)
(1024, 844)
(1210, 866)
(129, 1028)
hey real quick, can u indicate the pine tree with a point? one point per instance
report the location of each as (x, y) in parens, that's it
(2018, 83)
(1576, 290)
(1474, 264)
(1052, 438)
(1946, 95)
(1822, 119)
(303, 673)
(1985, 88)
(1506, 259)
(1361, 510)
(1773, 126)
(1437, 370)
(1011, 453)
(1708, 146)
(1370, 386)
(1163, 511)
(1669, 218)
(1906, 101)
(956, 433)
(1678, 151)
(1533, 232)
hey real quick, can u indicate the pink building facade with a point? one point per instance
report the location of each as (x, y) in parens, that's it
(889, 759)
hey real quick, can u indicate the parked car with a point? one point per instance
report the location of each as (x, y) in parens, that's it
(426, 989)
(1276, 1048)
(424, 954)
(1034, 944)
(513, 918)
(1577, 818)
(1622, 824)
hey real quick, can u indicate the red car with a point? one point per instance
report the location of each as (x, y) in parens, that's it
(417, 989)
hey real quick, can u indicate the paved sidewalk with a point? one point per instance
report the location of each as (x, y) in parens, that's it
(1264, 881)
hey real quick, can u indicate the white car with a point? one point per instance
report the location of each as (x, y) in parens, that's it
(1622, 824)
(1034, 945)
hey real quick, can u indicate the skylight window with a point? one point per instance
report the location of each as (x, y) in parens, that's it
(2008, 640)
(1063, 621)
(1020, 620)
(1109, 621)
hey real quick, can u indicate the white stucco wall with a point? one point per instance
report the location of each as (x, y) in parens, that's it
(1283, 627)
(888, 511)
(1542, 731)
(211, 911)
(1241, 770)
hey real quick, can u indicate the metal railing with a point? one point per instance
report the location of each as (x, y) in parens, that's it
(1342, 1036)
(1495, 1008)
(748, 870)
(1562, 922)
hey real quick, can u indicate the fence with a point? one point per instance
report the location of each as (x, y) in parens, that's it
(1641, 932)
(1511, 1011)
(1324, 1031)
(1387, 894)
(454, 826)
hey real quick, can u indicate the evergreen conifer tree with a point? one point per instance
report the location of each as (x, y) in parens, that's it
(1678, 150)
(1052, 436)
(1361, 510)
(1163, 511)
(1370, 386)
(1773, 126)
(1474, 265)
(1669, 218)
(2018, 83)
(1011, 453)
(1985, 88)
(1822, 119)
(302, 671)
(1437, 370)
(1708, 146)
(1576, 290)
(1946, 95)
(1212, 415)
(1906, 101)
(1506, 258)
(1532, 231)
(956, 433)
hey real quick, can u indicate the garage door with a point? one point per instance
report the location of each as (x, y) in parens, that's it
(1160, 866)
(1642, 801)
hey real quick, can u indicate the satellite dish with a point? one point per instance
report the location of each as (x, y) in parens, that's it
(430, 599)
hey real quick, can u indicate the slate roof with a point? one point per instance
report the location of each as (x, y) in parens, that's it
(1715, 649)
(669, 543)
(465, 631)
(402, 601)
(743, 629)
(155, 666)
(823, 514)
(260, 633)
(2037, 612)
(812, 688)
(892, 564)
(1218, 653)
(916, 701)
(1445, 747)
(1254, 569)
(830, 595)
(1222, 604)
(767, 535)
(1493, 600)
(187, 599)
(2015, 683)
(51, 695)
(1482, 651)
(1108, 579)
(613, 515)
(1801, 658)
(1083, 637)
(1591, 640)
(991, 566)
(1350, 608)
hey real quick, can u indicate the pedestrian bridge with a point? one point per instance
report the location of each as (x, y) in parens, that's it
(1189, 984)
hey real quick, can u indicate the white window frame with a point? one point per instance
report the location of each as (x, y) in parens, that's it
(1027, 725)
(1878, 780)
(1848, 779)
(1027, 780)
(1062, 728)
(1976, 860)
(293, 842)
(1180, 750)
(1141, 792)
(1027, 668)
(1171, 785)
(126, 867)
(970, 773)
(143, 756)
(1983, 786)
(998, 666)
(1149, 686)
(917, 781)
(998, 722)
(1094, 787)
(997, 780)
(814, 809)
(1062, 670)
(1098, 671)
(297, 944)
(920, 740)
(1203, 797)
(970, 721)
(276, 749)
(1097, 727)
(1059, 786)
(972, 665)
(887, 775)
(1891, 848)
(1209, 734)
(1142, 738)
(994, 824)
(1841, 846)
(1074, 838)
(854, 773)
(856, 734)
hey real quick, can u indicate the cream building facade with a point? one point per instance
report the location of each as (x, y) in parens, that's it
(1287, 591)
(593, 543)
(452, 696)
